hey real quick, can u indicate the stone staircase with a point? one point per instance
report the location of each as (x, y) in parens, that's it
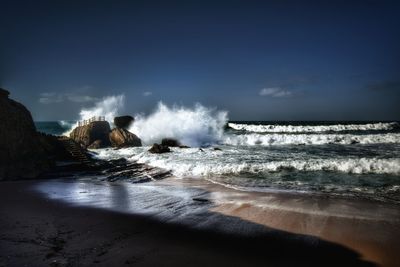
(75, 150)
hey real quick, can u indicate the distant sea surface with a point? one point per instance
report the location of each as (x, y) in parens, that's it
(351, 159)
(54, 127)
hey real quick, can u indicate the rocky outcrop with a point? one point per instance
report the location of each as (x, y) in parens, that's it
(96, 145)
(170, 142)
(97, 131)
(21, 152)
(158, 149)
(123, 121)
(120, 137)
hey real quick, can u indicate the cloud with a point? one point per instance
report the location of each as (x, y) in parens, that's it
(147, 93)
(53, 97)
(81, 98)
(275, 92)
(48, 98)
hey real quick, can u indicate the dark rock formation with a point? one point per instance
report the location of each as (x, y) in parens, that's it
(21, 152)
(120, 137)
(170, 142)
(54, 149)
(96, 145)
(87, 134)
(123, 121)
(158, 149)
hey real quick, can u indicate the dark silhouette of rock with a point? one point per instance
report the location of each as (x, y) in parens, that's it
(21, 153)
(54, 148)
(96, 145)
(183, 146)
(4, 93)
(170, 142)
(158, 149)
(87, 134)
(123, 121)
(120, 137)
(217, 149)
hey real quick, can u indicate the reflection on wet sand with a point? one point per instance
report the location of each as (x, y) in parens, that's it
(370, 228)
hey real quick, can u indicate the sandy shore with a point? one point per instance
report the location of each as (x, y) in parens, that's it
(188, 223)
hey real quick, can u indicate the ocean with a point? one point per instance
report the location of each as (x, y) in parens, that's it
(347, 159)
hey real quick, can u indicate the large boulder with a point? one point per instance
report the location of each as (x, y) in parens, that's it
(123, 121)
(158, 149)
(87, 134)
(170, 142)
(21, 152)
(120, 137)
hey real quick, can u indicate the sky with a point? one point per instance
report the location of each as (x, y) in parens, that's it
(258, 60)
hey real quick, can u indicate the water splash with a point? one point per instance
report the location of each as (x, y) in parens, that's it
(109, 107)
(196, 126)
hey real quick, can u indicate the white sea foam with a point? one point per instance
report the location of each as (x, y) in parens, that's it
(308, 139)
(195, 126)
(108, 107)
(355, 166)
(312, 128)
(193, 162)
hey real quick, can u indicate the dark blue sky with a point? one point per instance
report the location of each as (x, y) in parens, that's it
(260, 60)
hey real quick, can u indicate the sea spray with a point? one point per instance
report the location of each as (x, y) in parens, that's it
(196, 126)
(108, 107)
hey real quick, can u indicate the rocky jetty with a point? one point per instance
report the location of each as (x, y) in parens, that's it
(98, 134)
(120, 137)
(21, 152)
(94, 132)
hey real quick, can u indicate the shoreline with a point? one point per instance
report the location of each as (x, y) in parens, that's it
(229, 227)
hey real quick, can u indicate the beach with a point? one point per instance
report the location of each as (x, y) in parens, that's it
(180, 222)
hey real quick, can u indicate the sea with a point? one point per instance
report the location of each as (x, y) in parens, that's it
(359, 159)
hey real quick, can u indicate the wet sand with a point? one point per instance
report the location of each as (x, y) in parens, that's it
(188, 223)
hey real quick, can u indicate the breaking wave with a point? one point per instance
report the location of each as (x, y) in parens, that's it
(197, 126)
(192, 162)
(383, 126)
(309, 139)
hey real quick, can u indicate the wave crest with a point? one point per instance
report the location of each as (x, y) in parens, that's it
(309, 139)
(313, 128)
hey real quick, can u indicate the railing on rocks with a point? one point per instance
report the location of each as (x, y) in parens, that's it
(92, 119)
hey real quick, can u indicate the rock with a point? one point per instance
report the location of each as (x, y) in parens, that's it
(87, 134)
(123, 121)
(123, 138)
(170, 142)
(4, 93)
(183, 146)
(21, 153)
(158, 149)
(217, 149)
(200, 199)
(96, 145)
(54, 148)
